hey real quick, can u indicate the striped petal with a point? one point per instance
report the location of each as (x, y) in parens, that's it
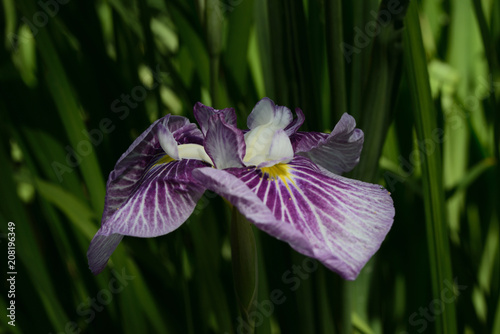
(129, 173)
(161, 201)
(224, 143)
(338, 151)
(294, 126)
(130, 167)
(203, 113)
(339, 221)
(100, 250)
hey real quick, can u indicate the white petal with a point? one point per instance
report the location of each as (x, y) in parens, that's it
(258, 142)
(193, 151)
(266, 112)
(281, 149)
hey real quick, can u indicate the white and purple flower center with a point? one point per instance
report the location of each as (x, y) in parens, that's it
(180, 151)
(266, 143)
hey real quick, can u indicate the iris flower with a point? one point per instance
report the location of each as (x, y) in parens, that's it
(287, 183)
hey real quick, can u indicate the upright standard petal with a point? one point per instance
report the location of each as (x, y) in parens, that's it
(268, 142)
(294, 126)
(280, 151)
(267, 113)
(340, 222)
(224, 143)
(203, 113)
(338, 151)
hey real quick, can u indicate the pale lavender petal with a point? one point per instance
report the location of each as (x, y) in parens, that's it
(224, 143)
(340, 222)
(338, 151)
(305, 141)
(161, 201)
(203, 113)
(296, 123)
(266, 112)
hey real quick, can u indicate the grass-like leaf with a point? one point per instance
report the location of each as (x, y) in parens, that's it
(425, 119)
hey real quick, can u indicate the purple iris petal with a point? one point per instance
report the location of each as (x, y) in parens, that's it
(162, 200)
(100, 249)
(188, 134)
(292, 194)
(148, 194)
(130, 167)
(339, 221)
(296, 123)
(203, 113)
(338, 151)
(224, 143)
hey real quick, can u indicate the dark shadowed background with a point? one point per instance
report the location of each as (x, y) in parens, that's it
(80, 80)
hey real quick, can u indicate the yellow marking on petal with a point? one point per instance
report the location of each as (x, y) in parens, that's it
(279, 172)
(164, 160)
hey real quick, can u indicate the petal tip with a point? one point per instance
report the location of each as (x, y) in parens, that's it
(199, 105)
(100, 249)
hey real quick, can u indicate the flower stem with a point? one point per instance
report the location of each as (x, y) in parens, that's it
(244, 258)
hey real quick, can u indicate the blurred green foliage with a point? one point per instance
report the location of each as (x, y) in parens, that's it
(80, 80)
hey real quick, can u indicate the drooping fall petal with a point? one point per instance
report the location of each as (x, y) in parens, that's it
(162, 200)
(131, 165)
(340, 222)
(148, 193)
